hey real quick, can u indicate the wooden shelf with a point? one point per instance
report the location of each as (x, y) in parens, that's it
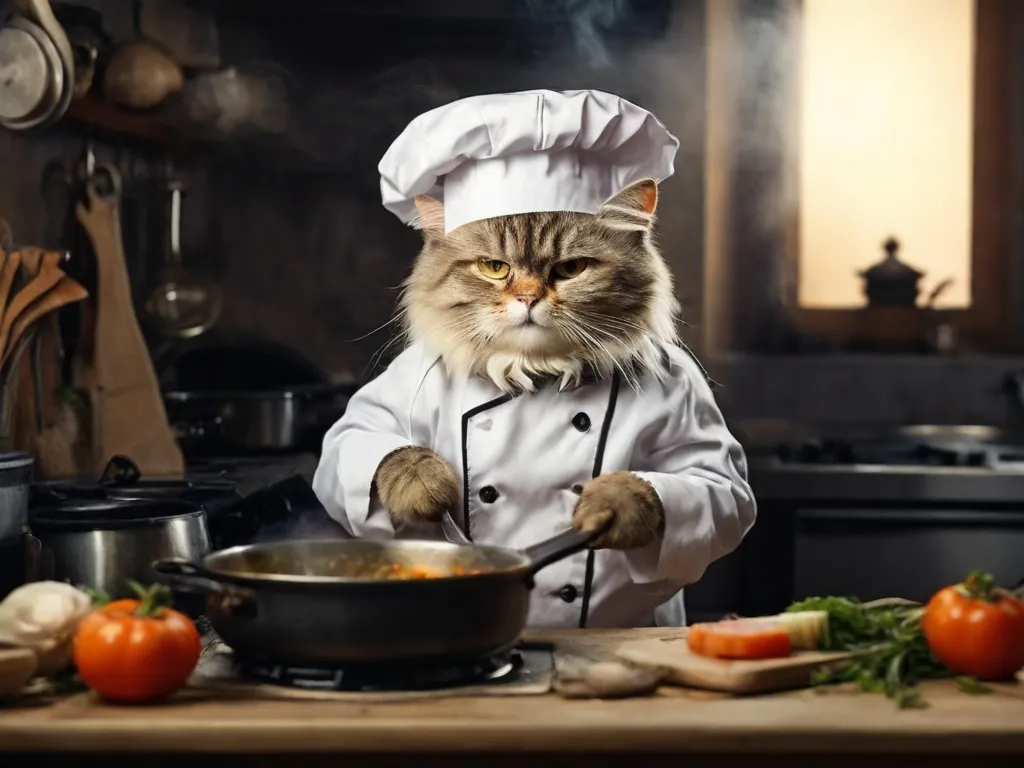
(106, 117)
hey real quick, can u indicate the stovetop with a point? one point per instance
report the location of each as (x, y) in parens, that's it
(902, 453)
(528, 668)
(491, 670)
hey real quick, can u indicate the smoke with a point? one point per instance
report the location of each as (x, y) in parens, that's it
(589, 22)
(765, 138)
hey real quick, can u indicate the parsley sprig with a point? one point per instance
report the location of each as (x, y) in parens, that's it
(893, 656)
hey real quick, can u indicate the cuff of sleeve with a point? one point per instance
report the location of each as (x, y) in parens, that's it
(647, 564)
(356, 471)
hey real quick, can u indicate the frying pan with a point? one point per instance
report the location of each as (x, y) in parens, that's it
(312, 602)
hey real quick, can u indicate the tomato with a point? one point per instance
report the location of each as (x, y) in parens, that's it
(739, 639)
(136, 651)
(976, 629)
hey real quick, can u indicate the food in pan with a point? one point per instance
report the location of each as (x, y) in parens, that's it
(397, 572)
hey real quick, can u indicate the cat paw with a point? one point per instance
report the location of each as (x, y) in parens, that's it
(416, 485)
(627, 505)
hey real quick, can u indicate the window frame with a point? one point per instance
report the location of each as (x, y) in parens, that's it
(987, 323)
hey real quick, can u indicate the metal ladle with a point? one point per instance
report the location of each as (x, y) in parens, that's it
(184, 304)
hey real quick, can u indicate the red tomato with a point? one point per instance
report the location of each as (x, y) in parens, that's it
(739, 639)
(976, 629)
(136, 651)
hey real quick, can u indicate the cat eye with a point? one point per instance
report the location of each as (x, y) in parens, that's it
(570, 269)
(493, 269)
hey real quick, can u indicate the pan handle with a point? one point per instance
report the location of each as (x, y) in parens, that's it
(181, 575)
(554, 549)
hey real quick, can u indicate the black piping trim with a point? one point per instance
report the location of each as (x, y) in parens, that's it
(465, 454)
(588, 582)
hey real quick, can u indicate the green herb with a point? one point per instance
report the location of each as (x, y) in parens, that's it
(892, 653)
(970, 685)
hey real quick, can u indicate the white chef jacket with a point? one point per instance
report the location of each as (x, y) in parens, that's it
(519, 459)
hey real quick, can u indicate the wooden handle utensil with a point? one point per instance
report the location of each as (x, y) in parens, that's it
(128, 411)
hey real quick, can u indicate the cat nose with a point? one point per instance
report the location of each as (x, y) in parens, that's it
(529, 301)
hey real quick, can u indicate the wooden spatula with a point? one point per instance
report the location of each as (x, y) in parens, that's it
(65, 292)
(128, 411)
(12, 262)
(39, 285)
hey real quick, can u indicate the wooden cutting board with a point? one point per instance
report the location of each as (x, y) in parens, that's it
(17, 665)
(740, 677)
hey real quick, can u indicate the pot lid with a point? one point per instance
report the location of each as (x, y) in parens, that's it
(87, 514)
(15, 460)
(891, 268)
(24, 74)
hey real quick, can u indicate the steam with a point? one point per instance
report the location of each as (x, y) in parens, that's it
(589, 22)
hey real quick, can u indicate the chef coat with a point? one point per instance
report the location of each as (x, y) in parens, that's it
(522, 460)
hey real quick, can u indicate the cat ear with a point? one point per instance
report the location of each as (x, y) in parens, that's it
(431, 215)
(632, 209)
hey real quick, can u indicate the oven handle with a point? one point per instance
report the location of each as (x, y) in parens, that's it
(913, 517)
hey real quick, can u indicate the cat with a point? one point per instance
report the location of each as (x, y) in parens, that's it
(530, 297)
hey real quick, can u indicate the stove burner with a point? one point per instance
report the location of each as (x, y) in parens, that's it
(388, 678)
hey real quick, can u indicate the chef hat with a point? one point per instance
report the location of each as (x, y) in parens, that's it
(500, 154)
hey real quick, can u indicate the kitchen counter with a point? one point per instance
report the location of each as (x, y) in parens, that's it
(807, 725)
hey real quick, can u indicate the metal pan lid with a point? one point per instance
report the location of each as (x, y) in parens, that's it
(110, 514)
(15, 468)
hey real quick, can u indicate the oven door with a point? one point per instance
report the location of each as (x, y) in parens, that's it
(907, 553)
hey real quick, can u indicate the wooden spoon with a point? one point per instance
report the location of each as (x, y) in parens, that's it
(35, 289)
(65, 292)
(12, 262)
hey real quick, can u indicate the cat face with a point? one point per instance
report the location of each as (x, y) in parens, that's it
(533, 294)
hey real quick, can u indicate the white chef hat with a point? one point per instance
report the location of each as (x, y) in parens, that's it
(526, 152)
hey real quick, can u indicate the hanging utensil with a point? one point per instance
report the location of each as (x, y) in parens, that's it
(184, 303)
(128, 413)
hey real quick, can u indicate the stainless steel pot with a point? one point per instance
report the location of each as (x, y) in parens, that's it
(317, 602)
(106, 544)
(15, 482)
(286, 419)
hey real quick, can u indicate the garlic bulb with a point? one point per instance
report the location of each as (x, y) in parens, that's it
(43, 616)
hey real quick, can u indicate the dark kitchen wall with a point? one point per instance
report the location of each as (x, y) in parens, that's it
(308, 256)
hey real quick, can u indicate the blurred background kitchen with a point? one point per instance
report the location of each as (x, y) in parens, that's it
(846, 227)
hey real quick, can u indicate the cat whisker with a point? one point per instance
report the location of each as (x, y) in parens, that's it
(382, 326)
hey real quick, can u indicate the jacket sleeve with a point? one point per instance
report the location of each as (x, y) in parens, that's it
(377, 421)
(699, 471)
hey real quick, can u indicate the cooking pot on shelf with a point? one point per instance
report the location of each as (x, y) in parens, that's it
(241, 395)
(263, 421)
(317, 602)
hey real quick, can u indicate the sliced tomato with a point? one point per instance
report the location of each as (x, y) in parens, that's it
(739, 639)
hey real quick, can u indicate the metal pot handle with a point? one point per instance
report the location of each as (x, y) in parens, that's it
(33, 549)
(120, 471)
(554, 549)
(181, 575)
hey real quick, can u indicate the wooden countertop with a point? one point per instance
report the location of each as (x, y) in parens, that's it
(675, 720)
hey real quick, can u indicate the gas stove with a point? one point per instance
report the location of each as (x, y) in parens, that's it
(902, 452)
(525, 670)
(490, 670)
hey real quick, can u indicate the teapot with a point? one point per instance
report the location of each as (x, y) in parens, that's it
(891, 282)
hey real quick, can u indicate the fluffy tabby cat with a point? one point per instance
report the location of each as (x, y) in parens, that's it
(531, 296)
